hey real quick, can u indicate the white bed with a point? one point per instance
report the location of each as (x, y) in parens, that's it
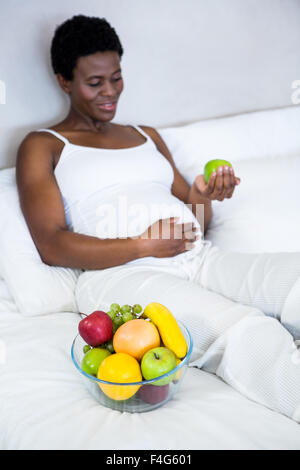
(44, 404)
(223, 55)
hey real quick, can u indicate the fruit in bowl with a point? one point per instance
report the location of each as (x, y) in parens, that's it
(139, 364)
(168, 327)
(119, 368)
(136, 337)
(92, 359)
(158, 362)
(153, 394)
(177, 374)
(96, 328)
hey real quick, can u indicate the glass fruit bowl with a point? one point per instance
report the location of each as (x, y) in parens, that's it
(133, 397)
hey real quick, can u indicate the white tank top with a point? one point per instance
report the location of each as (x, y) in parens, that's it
(118, 193)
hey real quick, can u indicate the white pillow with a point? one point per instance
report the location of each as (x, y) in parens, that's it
(263, 214)
(252, 135)
(37, 288)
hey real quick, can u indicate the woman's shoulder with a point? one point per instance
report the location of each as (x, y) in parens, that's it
(37, 137)
(37, 142)
(153, 133)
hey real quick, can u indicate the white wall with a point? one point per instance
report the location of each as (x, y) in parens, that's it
(184, 60)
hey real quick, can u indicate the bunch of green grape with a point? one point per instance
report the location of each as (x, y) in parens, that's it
(120, 315)
(108, 345)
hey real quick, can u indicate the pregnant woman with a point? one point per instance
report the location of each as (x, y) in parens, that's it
(108, 199)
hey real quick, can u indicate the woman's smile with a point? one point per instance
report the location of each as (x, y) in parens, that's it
(108, 106)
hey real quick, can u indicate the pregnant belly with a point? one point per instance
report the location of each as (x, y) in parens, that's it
(128, 211)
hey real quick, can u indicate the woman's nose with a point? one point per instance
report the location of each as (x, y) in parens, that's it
(108, 89)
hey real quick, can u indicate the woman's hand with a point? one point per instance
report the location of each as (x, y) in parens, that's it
(220, 185)
(166, 238)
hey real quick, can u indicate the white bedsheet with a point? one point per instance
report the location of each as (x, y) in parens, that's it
(44, 404)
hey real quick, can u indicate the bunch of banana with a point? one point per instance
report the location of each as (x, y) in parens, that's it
(168, 328)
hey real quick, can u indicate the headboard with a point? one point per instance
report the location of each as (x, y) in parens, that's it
(184, 60)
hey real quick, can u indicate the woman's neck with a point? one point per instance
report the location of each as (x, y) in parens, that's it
(81, 122)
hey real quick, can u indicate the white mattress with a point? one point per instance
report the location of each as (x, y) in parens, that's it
(44, 404)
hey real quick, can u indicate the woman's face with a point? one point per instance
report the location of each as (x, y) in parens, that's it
(96, 86)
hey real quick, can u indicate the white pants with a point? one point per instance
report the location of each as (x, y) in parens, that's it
(242, 309)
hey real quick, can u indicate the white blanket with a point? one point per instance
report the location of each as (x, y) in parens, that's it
(44, 404)
(232, 305)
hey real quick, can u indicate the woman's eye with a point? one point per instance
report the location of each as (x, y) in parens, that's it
(99, 83)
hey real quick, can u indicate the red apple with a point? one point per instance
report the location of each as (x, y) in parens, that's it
(153, 393)
(96, 328)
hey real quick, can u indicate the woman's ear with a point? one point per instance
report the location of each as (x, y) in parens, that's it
(64, 84)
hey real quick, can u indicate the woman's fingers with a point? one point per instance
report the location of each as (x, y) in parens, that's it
(169, 228)
(210, 185)
(221, 184)
(180, 230)
(228, 184)
(227, 180)
(232, 177)
(189, 226)
(225, 183)
(186, 233)
(218, 187)
(235, 179)
(189, 243)
(232, 183)
(191, 235)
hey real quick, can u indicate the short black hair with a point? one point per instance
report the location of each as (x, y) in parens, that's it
(81, 36)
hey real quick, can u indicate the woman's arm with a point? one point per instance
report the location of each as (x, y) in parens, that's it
(180, 188)
(201, 208)
(43, 209)
(200, 194)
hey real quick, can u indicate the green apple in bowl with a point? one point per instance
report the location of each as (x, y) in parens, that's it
(157, 362)
(212, 166)
(92, 360)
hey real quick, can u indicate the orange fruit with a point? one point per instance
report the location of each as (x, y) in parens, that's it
(120, 368)
(136, 337)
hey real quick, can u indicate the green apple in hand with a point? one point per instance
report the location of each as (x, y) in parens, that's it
(92, 360)
(157, 362)
(212, 166)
